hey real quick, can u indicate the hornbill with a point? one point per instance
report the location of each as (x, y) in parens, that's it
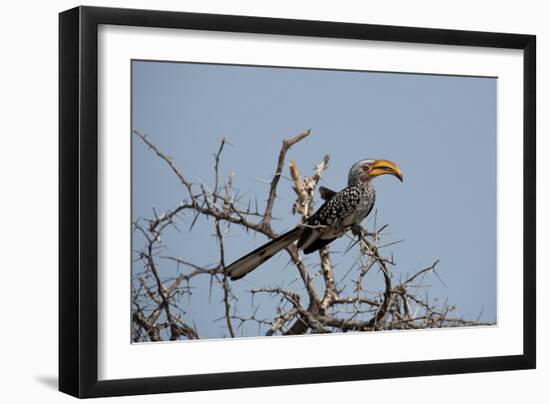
(340, 212)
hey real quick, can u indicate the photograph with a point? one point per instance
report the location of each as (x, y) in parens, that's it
(273, 201)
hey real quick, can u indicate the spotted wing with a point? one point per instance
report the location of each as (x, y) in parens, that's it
(327, 223)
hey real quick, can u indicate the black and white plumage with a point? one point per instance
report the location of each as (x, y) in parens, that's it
(346, 208)
(341, 211)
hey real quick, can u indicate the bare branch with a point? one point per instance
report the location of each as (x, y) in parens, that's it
(287, 144)
(225, 284)
(168, 161)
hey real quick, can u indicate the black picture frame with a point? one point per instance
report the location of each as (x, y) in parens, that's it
(78, 200)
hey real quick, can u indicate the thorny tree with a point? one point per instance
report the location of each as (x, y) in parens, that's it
(308, 306)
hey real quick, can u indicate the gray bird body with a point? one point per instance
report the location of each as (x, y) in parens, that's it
(341, 211)
(344, 210)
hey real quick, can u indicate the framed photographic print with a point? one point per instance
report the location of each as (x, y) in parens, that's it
(250, 201)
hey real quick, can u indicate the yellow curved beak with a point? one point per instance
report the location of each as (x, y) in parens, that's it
(381, 167)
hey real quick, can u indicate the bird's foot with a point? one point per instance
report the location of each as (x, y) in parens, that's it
(357, 230)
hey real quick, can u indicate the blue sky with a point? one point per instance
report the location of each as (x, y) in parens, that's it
(440, 130)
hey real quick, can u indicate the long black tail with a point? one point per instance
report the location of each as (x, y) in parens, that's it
(253, 260)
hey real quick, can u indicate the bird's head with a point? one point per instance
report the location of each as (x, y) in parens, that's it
(365, 170)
